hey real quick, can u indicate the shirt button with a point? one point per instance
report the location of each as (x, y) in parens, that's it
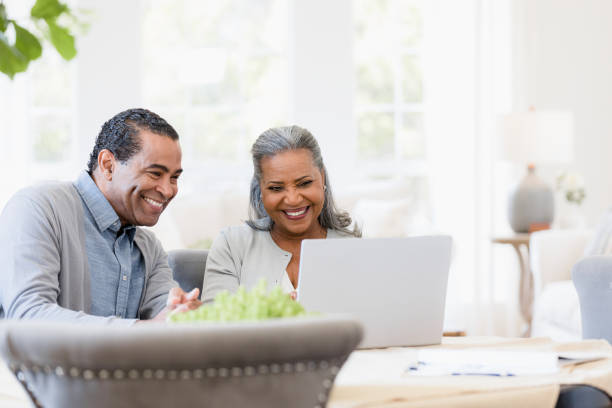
(124, 277)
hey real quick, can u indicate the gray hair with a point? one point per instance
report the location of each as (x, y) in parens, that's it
(282, 139)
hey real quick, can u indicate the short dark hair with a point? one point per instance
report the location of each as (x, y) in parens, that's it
(119, 135)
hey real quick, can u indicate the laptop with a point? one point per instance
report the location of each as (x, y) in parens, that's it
(396, 287)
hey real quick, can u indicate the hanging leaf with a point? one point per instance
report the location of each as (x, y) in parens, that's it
(27, 43)
(61, 39)
(47, 9)
(3, 18)
(11, 60)
(15, 58)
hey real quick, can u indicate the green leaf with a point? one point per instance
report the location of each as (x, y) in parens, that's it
(3, 18)
(11, 60)
(27, 43)
(61, 39)
(47, 9)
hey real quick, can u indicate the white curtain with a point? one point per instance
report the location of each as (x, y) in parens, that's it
(468, 66)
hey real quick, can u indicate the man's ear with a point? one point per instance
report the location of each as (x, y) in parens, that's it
(106, 163)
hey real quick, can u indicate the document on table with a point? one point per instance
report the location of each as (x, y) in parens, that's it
(493, 362)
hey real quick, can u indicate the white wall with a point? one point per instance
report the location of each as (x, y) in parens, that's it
(565, 62)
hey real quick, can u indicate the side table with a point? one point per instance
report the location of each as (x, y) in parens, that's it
(520, 243)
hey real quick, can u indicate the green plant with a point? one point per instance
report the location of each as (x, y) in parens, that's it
(16, 55)
(256, 304)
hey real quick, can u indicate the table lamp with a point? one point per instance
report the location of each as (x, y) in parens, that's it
(531, 138)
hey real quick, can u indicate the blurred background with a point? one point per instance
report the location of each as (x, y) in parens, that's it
(404, 97)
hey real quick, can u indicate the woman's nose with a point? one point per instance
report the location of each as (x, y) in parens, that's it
(293, 197)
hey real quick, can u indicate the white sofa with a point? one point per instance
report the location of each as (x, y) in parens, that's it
(382, 209)
(556, 311)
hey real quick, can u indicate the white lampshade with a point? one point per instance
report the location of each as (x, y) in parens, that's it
(537, 137)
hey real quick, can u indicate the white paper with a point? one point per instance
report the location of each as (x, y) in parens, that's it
(484, 362)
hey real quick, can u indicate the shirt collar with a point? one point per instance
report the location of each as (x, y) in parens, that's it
(99, 207)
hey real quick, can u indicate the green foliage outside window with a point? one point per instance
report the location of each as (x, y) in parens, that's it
(16, 55)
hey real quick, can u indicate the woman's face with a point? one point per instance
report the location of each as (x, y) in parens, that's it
(292, 192)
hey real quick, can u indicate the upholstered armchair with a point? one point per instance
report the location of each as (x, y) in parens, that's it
(275, 363)
(188, 267)
(592, 277)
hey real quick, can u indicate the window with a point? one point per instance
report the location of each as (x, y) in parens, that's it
(389, 83)
(38, 140)
(217, 71)
(50, 111)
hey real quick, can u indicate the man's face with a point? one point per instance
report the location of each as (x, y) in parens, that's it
(142, 187)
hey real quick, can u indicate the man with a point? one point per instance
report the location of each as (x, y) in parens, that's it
(73, 251)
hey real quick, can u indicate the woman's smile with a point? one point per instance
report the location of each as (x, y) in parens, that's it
(297, 213)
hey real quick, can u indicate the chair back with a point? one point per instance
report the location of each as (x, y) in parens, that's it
(592, 277)
(276, 363)
(188, 267)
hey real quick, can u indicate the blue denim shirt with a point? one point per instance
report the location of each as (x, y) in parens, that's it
(116, 264)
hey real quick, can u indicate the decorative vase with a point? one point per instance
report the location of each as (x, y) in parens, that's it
(531, 203)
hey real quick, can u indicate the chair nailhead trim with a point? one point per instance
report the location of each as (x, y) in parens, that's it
(22, 379)
(211, 372)
(185, 374)
(89, 375)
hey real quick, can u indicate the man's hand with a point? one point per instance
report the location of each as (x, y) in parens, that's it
(179, 301)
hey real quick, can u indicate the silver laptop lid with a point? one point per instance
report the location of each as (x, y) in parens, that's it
(395, 286)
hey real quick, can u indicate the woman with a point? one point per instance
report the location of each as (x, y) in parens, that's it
(290, 200)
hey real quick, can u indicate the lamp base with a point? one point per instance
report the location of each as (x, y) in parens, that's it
(531, 203)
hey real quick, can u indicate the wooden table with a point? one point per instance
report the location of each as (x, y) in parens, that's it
(520, 243)
(377, 378)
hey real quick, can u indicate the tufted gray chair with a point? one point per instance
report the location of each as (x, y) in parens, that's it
(275, 363)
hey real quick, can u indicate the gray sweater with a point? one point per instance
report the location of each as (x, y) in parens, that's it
(45, 273)
(241, 255)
